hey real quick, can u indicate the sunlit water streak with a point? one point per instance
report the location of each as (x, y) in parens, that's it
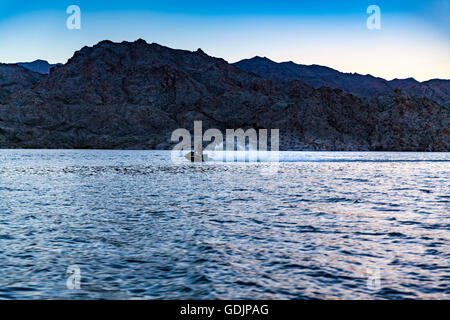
(140, 226)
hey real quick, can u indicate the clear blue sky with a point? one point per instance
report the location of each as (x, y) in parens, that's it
(414, 39)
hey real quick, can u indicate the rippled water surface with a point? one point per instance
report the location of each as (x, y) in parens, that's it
(322, 225)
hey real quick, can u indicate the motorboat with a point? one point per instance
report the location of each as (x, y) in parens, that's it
(197, 155)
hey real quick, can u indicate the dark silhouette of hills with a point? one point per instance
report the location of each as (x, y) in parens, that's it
(132, 95)
(39, 66)
(357, 84)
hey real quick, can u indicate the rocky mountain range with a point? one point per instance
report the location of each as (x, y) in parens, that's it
(357, 84)
(132, 95)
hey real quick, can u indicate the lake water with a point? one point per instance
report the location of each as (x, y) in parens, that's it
(337, 225)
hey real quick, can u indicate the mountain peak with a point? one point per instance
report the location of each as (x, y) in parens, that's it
(125, 71)
(140, 41)
(39, 66)
(200, 51)
(405, 79)
(261, 58)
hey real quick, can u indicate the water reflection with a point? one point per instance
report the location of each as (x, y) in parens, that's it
(139, 226)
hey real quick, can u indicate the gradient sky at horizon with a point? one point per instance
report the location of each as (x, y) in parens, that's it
(414, 40)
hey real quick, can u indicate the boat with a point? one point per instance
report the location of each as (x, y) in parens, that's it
(197, 155)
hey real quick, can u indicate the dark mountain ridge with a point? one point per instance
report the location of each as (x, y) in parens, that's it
(357, 84)
(132, 95)
(39, 66)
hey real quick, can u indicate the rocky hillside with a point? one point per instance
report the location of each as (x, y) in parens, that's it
(14, 78)
(133, 95)
(357, 84)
